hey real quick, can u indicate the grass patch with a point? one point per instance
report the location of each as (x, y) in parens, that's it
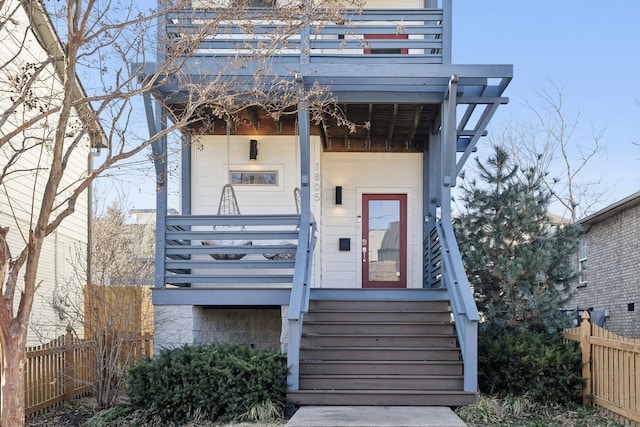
(266, 411)
(522, 411)
(267, 414)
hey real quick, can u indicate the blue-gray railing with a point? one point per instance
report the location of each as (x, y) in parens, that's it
(299, 302)
(411, 35)
(444, 268)
(268, 243)
(275, 250)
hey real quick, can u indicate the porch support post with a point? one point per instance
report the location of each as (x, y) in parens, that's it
(185, 175)
(305, 150)
(298, 293)
(426, 217)
(447, 31)
(156, 122)
(449, 147)
(470, 356)
(293, 355)
(430, 200)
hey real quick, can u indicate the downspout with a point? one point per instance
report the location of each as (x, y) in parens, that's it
(94, 152)
(156, 122)
(185, 175)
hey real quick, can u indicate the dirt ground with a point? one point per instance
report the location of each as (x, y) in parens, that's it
(70, 415)
(76, 413)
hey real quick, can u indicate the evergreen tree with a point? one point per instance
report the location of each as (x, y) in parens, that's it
(518, 262)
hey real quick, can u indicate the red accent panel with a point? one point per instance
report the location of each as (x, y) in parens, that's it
(403, 51)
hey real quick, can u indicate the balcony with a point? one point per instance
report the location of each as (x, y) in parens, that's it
(387, 67)
(371, 36)
(267, 254)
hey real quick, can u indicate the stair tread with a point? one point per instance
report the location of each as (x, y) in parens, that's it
(358, 323)
(374, 334)
(379, 322)
(382, 376)
(377, 310)
(386, 362)
(366, 347)
(384, 391)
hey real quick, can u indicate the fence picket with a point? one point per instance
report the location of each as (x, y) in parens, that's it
(60, 370)
(611, 368)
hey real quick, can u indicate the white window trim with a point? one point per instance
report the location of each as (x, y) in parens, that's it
(583, 262)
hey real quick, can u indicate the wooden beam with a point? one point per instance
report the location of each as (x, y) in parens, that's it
(367, 143)
(252, 115)
(392, 125)
(416, 121)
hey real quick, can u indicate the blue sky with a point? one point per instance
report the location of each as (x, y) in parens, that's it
(591, 49)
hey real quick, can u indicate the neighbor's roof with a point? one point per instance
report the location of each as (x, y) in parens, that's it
(611, 210)
(48, 37)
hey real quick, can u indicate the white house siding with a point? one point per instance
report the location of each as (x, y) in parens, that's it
(613, 269)
(21, 192)
(275, 153)
(280, 153)
(361, 173)
(357, 173)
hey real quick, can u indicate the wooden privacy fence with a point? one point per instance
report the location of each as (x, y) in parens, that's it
(64, 369)
(611, 369)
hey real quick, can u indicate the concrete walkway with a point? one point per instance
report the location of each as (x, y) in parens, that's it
(374, 416)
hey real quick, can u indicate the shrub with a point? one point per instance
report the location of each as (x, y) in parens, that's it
(523, 362)
(218, 381)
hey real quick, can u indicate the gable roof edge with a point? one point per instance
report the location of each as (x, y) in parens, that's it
(48, 38)
(611, 210)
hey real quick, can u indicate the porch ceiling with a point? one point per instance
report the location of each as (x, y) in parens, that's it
(393, 106)
(377, 127)
(380, 127)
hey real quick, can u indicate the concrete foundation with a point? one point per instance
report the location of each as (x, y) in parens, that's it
(260, 327)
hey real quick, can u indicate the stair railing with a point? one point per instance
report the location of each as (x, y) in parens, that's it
(464, 308)
(299, 302)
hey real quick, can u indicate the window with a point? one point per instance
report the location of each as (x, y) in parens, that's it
(255, 3)
(582, 262)
(253, 177)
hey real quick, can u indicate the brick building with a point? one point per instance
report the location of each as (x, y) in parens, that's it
(609, 265)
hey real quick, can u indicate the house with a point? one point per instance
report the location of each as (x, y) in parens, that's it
(360, 285)
(609, 265)
(29, 41)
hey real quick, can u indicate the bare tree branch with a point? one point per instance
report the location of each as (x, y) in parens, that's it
(553, 144)
(50, 122)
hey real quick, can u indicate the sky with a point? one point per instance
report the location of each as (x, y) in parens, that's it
(589, 49)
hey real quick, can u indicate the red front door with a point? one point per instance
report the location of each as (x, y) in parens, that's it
(384, 241)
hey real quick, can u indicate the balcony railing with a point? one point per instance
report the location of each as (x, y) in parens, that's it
(247, 250)
(373, 35)
(444, 268)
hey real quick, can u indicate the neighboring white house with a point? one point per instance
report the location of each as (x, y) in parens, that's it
(28, 41)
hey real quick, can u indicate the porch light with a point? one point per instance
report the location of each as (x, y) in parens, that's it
(338, 195)
(253, 149)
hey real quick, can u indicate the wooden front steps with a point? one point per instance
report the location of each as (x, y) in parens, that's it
(378, 352)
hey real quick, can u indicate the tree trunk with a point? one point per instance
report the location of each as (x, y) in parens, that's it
(13, 363)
